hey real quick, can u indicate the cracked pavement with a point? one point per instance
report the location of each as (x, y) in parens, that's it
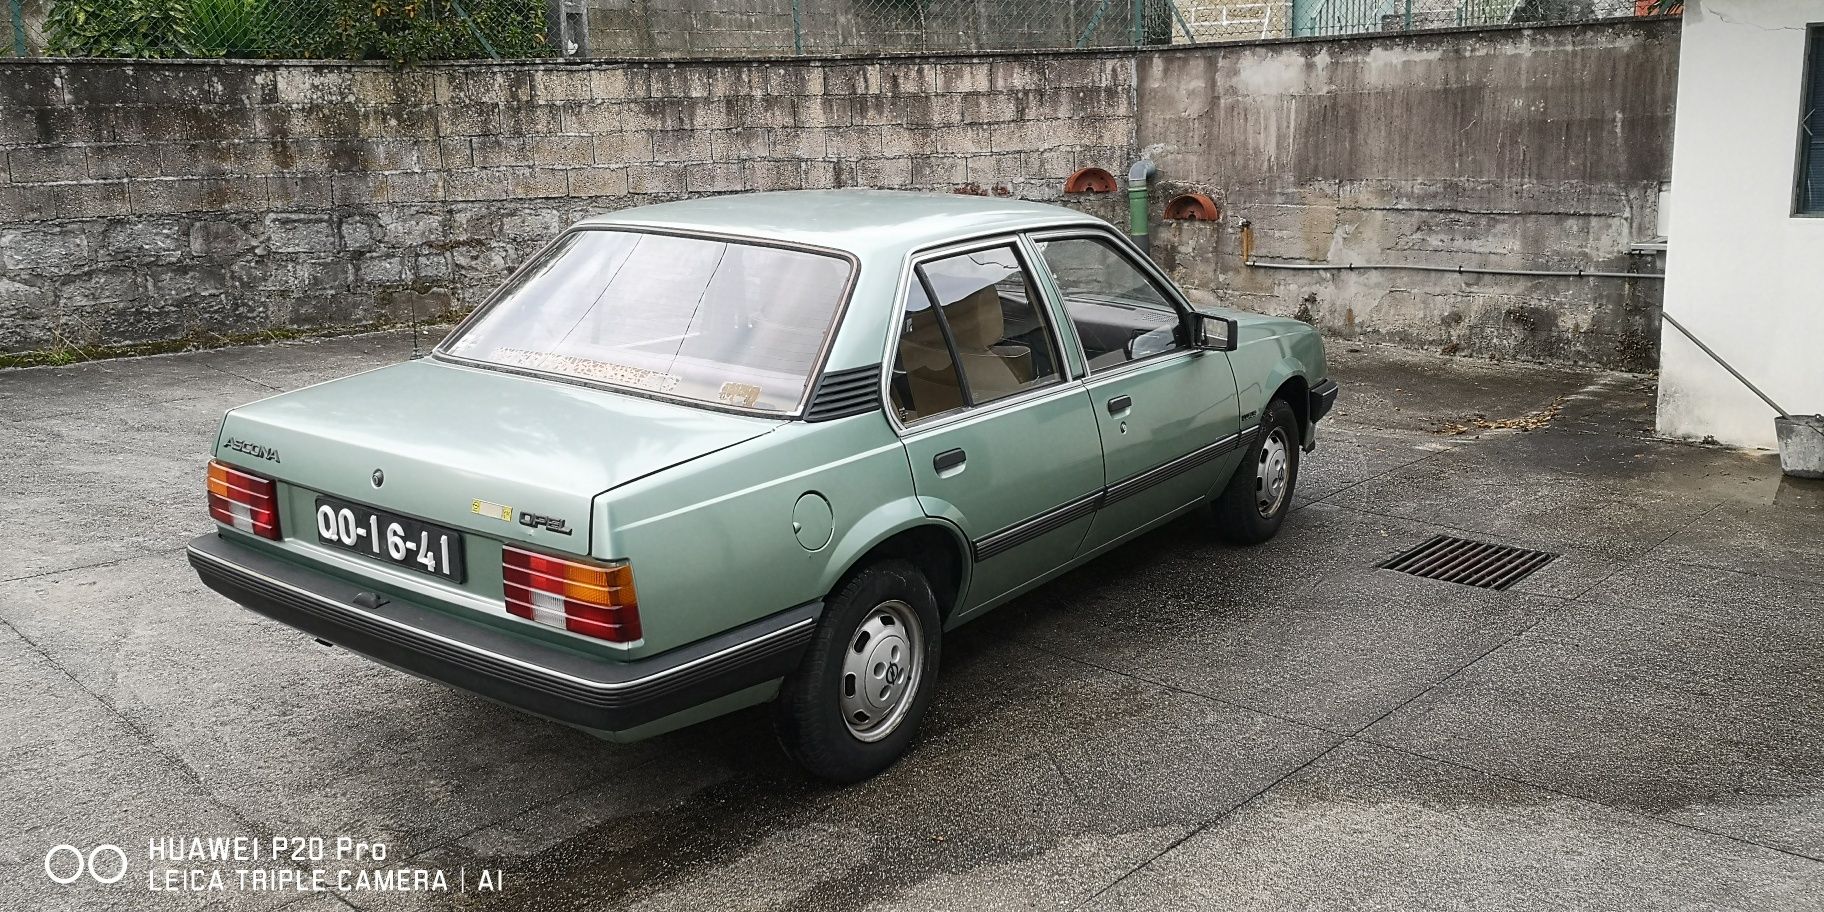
(1179, 725)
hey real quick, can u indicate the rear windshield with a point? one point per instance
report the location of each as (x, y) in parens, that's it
(712, 321)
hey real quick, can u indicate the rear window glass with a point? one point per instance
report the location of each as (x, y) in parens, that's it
(713, 321)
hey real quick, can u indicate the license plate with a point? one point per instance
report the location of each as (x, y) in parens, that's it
(395, 539)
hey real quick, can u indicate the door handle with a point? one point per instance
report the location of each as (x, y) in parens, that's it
(1120, 404)
(949, 459)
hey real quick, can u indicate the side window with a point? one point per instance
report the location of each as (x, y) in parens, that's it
(1119, 313)
(989, 323)
(924, 381)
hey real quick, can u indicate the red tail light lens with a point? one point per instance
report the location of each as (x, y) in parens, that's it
(246, 502)
(592, 599)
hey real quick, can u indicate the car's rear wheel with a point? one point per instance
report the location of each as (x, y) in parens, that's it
(1250, 510)
(854, 705)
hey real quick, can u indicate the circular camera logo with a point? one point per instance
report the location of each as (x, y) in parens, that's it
(105, 864)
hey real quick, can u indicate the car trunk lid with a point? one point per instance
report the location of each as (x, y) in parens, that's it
(478, 450)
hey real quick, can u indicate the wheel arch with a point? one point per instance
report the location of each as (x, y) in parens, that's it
(1296, 391)
(1286, 380)
(936, 547)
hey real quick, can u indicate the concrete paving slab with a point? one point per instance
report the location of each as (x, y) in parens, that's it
(1347, 455)
(1369, 828)
(1080, 731)
(1482, 490)
(95, 488)
(1037, 780)
(1612, 403)
(302, 738)
(78, 774)
(1674, 691)
(103, 387)
(1394, 388)
(1785, 540)
(1638, 466)
(1303, 627)
(1570, 574)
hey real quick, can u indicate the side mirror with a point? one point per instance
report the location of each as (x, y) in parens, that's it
(1213, 333)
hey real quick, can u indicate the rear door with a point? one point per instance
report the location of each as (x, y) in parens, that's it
(1001, 438)
(1166, 412)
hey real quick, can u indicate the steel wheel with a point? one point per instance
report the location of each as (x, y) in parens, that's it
(881, 670)
(1271, 474)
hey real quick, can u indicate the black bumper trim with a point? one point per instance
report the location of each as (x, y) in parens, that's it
(1317, 405)
(562, 684)
(1323, 396)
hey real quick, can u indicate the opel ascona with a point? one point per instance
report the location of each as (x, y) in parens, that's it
(767, 447)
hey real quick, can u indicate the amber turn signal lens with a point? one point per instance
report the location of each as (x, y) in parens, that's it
(593, 599)
(243, 501)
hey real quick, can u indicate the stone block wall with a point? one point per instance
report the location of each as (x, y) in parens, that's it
(141, 203)
(162, 201)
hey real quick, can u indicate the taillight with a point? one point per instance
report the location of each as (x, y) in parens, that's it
(247, 502)
(592, 599)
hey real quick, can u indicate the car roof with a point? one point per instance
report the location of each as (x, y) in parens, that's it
(867, 223)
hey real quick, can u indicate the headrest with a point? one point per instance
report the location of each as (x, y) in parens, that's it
(924, 345)
(976, 321)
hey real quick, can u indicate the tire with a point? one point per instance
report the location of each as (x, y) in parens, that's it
(1249, 511)
(880, 635)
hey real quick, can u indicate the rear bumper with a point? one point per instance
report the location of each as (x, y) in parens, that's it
(1321, 398)
(538, 677)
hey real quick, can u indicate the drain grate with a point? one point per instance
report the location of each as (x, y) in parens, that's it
(1470, 563)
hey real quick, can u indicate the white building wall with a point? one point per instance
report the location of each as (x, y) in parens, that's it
(1743, 273)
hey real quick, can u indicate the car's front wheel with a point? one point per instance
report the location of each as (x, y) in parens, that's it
(1250, 510)
(854, 705)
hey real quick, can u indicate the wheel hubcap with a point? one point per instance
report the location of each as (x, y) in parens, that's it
(1271, 474)
(881, 670)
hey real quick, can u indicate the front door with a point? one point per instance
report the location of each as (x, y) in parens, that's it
(1165, 411)
(1001, 442)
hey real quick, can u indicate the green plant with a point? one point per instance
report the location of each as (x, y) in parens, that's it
(59, 356)
(119, 28)
(413, 30)
(252, 28)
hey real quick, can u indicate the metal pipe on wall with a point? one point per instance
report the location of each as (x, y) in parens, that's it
(1465, 270)
(1138, 174)
(1247, 259)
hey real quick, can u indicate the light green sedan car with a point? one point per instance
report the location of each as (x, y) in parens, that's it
(766, 447)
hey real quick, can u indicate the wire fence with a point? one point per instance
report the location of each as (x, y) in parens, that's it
(403, 30)
(717, 28)
(22, 28)
(457, 29)
(1346, 17)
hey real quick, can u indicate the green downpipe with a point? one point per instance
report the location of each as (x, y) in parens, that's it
(1137, 176)
(1136, 215)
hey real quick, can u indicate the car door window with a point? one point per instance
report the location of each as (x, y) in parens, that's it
(925, 382)
(994, 322)
(1119, 313)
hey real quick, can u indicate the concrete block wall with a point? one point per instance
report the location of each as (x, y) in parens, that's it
(162, 201)
(1539, 149)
